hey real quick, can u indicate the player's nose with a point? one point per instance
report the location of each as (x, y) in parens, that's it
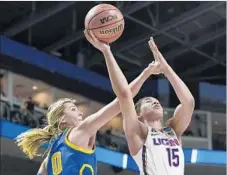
(80, 113)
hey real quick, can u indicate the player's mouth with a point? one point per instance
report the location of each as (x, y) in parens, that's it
(156, 107)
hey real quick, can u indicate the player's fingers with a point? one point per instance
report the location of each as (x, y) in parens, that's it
(88, 37)
(93, 36)
(150, 44)
(151, 64)
(153, 43)
(154, 52)
(160, 55)
(154, 49)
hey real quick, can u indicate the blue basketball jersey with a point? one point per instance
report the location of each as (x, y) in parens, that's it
(66, 158)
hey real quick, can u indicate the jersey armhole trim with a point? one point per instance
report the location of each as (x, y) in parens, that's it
(75, 147)
(179, 139)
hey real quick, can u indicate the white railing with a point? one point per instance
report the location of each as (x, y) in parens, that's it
(199, 133)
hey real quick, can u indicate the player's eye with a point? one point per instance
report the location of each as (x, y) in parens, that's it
(155, 103)
(73, 109)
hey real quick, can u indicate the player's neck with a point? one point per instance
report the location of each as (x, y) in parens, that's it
(155, 124)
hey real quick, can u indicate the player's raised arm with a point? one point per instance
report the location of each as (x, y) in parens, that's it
(108, 112)
(183, 113)
(132, 126)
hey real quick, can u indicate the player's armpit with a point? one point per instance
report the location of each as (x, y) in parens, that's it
(181, 118)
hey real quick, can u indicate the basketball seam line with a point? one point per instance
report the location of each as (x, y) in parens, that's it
(100, 13)
(111, 37)
(106, 24)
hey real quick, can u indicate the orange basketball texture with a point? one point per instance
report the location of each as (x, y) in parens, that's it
(106, 22)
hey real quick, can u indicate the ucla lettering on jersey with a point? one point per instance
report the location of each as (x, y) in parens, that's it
(66, 158)
(160, 154)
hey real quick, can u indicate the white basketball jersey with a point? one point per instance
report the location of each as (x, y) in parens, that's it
(161, 154)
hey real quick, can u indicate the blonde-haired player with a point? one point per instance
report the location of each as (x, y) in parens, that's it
(156, 149)
(72, 139)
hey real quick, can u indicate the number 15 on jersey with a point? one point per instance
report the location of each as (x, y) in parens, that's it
(173, 156)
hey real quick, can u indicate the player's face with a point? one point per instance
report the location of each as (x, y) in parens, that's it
(151, 109)
(72, 115)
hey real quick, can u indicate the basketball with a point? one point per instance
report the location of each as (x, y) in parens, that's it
(106, 22)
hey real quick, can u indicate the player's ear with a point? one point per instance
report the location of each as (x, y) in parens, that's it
(63, 120)
(141, 118)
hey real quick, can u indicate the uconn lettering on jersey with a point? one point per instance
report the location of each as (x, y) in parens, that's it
(164, 141)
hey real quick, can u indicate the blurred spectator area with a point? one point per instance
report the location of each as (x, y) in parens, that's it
(31, 98)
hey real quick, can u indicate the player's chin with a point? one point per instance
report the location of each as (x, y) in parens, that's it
(159, 111)
(159, 114)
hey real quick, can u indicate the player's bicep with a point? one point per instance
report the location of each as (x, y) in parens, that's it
(95, 121)
(130, 119)
(135, 131)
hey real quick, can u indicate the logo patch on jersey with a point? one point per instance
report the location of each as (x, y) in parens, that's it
(165, 141)
(169, 131)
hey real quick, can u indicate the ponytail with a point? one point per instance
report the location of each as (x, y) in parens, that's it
(31, 141)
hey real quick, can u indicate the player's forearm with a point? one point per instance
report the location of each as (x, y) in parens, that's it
(107, 113)
(180, 88)
(137, 83)
(119, 83)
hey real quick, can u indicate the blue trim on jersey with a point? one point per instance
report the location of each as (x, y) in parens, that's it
(144, 157)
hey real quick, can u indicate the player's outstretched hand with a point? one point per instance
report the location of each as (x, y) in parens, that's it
(158, 56)
(154, 68)
(95, 42)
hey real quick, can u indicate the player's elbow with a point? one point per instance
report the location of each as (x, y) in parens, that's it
(124, 93)
(191, 102)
